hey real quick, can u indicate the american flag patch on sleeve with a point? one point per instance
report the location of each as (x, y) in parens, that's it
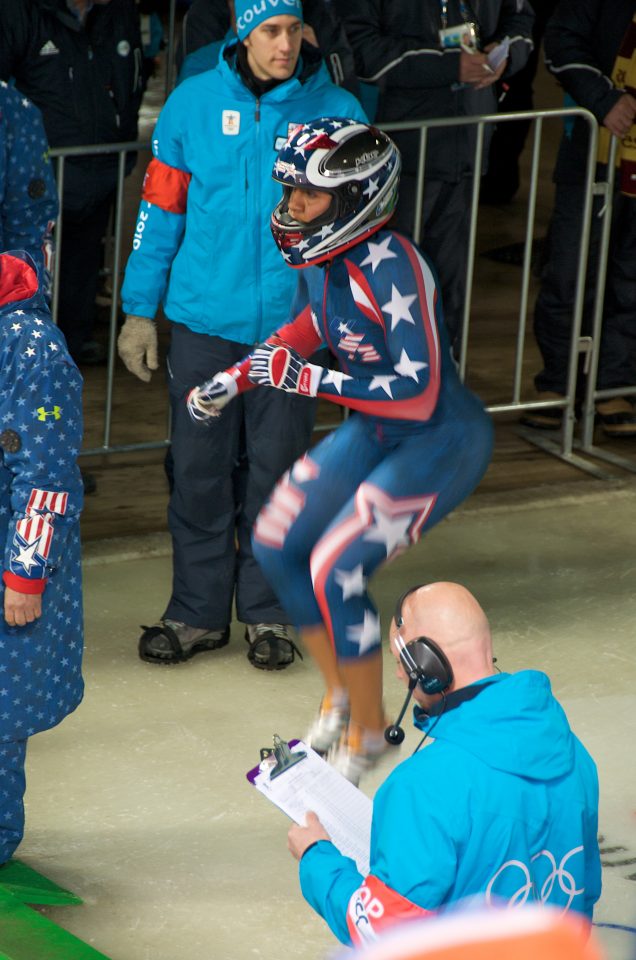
(31, 544)
(48, 501)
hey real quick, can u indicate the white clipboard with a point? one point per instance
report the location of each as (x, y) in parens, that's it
(312, 784)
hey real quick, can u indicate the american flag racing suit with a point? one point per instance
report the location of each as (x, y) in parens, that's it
(415, 446)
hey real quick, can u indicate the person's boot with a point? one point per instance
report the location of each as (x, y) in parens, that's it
(171, 641)
(617, 417)
(271, 646)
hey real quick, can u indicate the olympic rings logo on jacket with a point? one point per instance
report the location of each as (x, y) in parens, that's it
(528, 891)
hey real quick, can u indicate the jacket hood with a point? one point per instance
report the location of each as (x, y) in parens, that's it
(526, 730)
(19, 281)
(309, 63)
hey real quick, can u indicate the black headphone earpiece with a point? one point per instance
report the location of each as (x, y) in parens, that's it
(426, 666)
(424, 662)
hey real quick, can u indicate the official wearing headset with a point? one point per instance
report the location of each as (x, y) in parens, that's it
(502, 803)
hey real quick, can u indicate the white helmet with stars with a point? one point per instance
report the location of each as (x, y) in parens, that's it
(354, 162)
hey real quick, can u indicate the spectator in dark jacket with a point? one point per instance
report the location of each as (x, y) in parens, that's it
(209, 20)
(590, 47)
(397, 45)
(80, 63)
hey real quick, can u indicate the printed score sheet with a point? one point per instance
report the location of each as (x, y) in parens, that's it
(312, 784)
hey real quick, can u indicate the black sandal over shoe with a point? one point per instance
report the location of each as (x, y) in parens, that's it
(169, 641)
(271, 647)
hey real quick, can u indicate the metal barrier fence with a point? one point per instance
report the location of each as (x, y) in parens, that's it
(578, 344)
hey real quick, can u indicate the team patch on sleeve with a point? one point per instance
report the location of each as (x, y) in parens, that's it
(31, 545)
(166, 187)
(47, 501)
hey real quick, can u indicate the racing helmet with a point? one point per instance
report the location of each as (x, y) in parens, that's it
(357, 164)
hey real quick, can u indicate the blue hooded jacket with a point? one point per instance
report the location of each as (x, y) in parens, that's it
(503, 803)
(210, 255)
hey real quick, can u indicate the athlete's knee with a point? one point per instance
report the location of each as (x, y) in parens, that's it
(276, 529)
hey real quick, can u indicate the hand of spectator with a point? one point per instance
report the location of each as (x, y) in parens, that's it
(309, 35)
(208, 400)
(300, 838)
(621, 117)
(494, 74)
(474, 69)
(137, 346)
(21, 608)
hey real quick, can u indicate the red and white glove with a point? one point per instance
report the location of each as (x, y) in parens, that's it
(207, 401)
(275, 365)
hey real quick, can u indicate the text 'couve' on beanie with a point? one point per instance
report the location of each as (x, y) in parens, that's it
(251, 13)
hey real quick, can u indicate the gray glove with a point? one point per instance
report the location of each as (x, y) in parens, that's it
(137, 346)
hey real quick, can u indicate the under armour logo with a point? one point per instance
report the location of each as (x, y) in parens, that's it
(56, 413)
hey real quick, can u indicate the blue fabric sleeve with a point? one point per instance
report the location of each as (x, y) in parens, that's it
(47, 397)
(158, 233)
(328, 880)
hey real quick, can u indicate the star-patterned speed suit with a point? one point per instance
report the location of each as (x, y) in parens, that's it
(40, 503)
(416, 444)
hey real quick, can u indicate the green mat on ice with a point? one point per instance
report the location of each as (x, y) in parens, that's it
(24, 933)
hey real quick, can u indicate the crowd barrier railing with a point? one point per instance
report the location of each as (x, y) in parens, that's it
(564, 447)
(59, 157)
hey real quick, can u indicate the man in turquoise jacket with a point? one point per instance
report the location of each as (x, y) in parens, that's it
(501, 804)
(202, 247)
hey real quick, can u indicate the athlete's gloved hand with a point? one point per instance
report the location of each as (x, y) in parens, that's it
(137, 346)
(277, 365)
(208, 400)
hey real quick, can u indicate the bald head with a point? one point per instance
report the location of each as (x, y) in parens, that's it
(449, 614)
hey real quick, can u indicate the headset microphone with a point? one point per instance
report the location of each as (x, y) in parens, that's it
(426, 666)
(395, 733)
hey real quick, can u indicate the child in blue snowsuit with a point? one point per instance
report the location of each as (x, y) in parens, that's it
(41, 623)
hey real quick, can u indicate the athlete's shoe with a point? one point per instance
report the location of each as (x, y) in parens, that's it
(357, 752)
(328, 726)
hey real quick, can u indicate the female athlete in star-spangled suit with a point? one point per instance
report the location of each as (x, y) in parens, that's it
(417, 441)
